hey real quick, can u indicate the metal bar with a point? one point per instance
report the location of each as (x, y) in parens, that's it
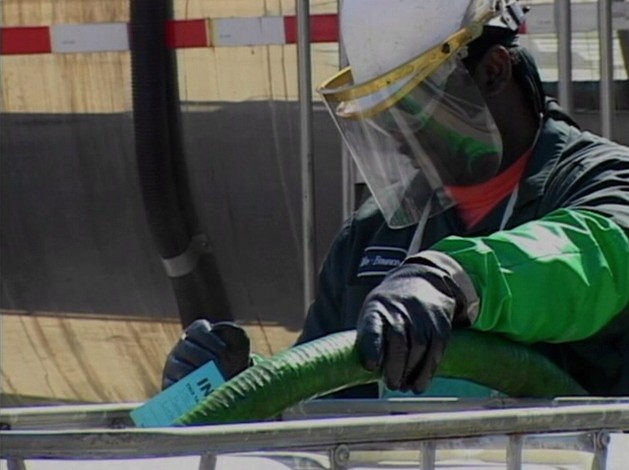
(601, 444)
(116, 415)
(606, 67)
(348, 171)
(623, 35)
(2, 65)
(582, 441)
(207, 462)
(306, 151)
(307, 434)
(336, 408)
(514, 452)
(563, 15)
(16, 464)
(349, 182)
(428, 455)
(577, 443)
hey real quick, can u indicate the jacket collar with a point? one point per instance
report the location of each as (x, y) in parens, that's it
(554, 136)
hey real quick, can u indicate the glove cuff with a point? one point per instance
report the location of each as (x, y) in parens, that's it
(468, 303)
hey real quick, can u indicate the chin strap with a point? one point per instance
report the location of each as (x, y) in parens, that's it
(418, 235)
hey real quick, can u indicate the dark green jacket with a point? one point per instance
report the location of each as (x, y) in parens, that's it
(557, 276)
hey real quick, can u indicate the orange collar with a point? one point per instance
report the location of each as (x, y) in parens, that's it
(476, 202)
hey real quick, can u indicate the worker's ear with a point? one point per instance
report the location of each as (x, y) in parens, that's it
(493, 72)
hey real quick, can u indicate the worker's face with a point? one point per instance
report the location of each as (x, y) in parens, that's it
(414, 135)
(456, 135)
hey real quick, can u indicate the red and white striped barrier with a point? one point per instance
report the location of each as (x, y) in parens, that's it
(244, 31)
(214, 32)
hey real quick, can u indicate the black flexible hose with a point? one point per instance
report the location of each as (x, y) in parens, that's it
(198, 287)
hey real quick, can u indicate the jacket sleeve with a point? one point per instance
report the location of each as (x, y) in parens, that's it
(565, 276)
(325, 313)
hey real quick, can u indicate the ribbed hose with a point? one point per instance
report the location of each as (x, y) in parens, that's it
(331, 363)
(199, 291)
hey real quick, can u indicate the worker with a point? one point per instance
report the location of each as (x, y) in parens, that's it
(490, 208)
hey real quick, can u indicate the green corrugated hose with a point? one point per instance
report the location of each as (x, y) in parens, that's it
(330, 363)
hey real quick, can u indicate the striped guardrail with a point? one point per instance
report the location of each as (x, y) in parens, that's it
(245, 31)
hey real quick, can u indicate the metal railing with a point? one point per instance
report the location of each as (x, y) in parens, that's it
(424, 426)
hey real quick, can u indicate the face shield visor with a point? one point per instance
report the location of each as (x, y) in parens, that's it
(417, 129)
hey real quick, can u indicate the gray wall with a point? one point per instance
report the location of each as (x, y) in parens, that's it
(74, 237)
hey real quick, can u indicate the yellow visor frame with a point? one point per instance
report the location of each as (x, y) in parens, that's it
(340, 88)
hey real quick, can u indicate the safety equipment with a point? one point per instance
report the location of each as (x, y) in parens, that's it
(225, 343)
(407, 108)
(405, 322)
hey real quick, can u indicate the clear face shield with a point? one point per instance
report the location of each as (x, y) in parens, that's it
(417, 129)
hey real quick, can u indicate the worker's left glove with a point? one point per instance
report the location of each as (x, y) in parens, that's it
(405, 322)
(225, 343)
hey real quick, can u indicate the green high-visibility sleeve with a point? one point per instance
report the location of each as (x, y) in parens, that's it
(557, 279)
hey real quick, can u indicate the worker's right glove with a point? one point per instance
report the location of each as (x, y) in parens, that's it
(405, 322)
(225, 343)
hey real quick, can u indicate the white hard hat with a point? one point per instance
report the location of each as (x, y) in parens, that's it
(407, 108)
(380, 35)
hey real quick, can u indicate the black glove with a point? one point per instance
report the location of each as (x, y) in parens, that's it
(225, 343)
(405, 322)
